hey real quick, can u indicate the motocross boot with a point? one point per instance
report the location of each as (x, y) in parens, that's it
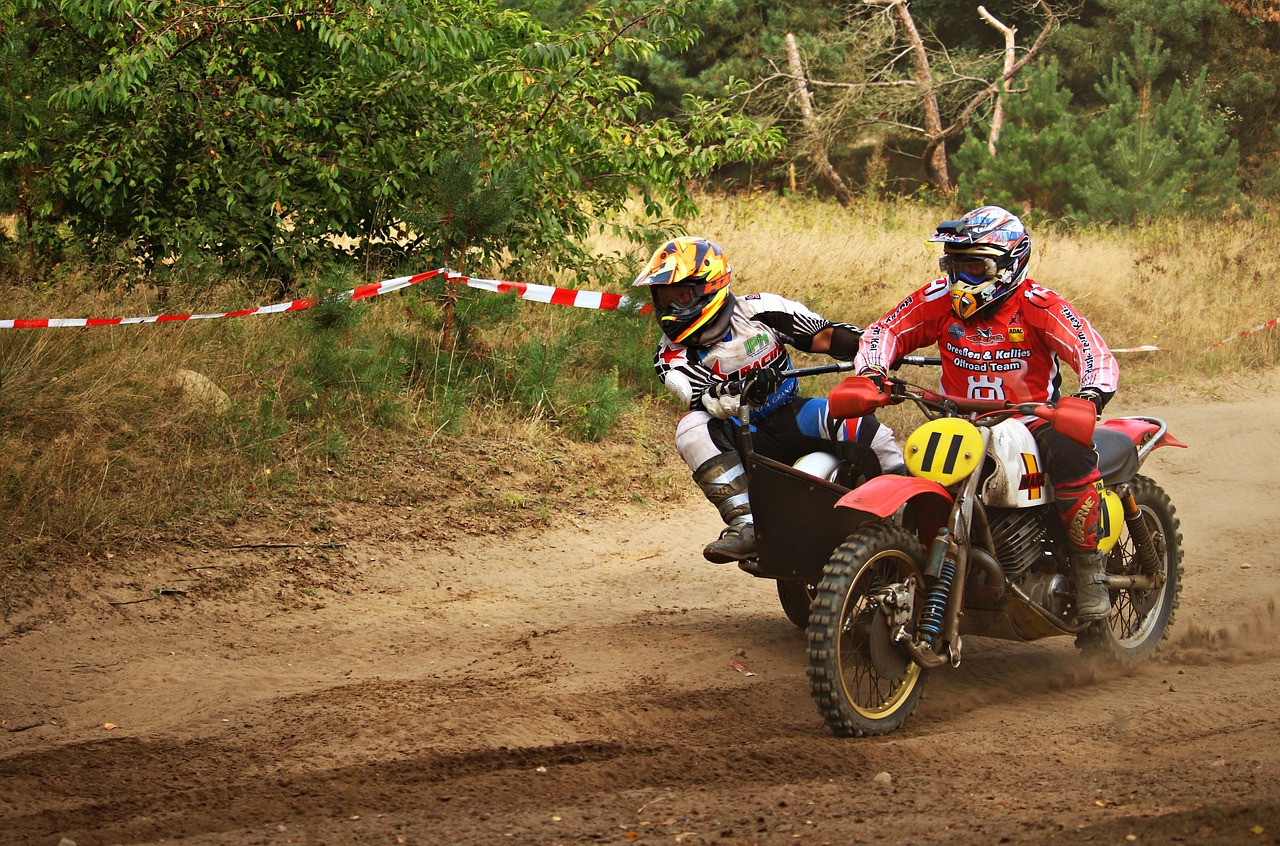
(1080, 504)
(1093, 602)
(737, 542)
(723, 480)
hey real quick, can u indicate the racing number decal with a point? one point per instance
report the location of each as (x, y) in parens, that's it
(949, 454)
(944, 450)
(1032, 478)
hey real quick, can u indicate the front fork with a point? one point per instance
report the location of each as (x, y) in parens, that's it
(946, 569)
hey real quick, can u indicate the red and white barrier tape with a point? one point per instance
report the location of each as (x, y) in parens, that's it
(534, 293)
(548, 294)
(1238, 335)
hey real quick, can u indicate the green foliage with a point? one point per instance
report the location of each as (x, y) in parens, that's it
(1040, 158)
(580, 370)
(1236, 45)
(594, 406)
(255, 133)
(1144, 154)
(742, 40)
(1153, 155)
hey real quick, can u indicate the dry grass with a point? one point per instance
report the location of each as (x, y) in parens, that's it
(101, 449)
(1180, 285)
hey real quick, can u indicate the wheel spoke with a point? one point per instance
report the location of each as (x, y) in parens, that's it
(855, 697)
(1140, 619)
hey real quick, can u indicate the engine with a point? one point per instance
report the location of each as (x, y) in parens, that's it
(1019, 535)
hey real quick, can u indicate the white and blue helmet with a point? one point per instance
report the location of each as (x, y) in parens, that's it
(985, 257)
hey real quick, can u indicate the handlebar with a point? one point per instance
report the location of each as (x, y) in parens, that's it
(845, 366)
(1072, 416)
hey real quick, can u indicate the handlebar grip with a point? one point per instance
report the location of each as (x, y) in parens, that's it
(918, 360)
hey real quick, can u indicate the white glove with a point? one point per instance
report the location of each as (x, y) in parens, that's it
(721, 400)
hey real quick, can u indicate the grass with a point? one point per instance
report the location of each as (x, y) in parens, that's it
(1181, 285)
(540, 414)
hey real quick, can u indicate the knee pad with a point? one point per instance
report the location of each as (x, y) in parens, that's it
(694, 441)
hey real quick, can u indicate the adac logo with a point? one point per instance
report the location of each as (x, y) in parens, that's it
(985, 337)
(1016, 334)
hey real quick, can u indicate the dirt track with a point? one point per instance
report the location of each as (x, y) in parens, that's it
(579, 686)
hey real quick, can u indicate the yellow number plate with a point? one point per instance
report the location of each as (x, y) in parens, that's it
(944, 450)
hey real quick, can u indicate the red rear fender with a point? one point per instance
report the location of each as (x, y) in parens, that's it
(1138, 430)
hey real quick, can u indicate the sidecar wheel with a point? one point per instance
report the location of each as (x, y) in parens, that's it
(855, 699)
(796, 598)
(1140, 620)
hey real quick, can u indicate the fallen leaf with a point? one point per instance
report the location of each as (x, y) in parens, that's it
(109, 726)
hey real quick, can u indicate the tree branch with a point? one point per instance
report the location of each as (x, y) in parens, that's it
(997, 114)
(817, 151)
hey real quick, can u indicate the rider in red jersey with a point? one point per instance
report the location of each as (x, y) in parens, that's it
(1002, 336)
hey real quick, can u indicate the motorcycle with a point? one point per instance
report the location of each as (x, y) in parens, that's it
(888, 573)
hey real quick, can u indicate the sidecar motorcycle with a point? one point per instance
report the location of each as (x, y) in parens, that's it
(888, 573)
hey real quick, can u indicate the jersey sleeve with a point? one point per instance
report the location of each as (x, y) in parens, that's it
(911, 325)
(794, 323)
(1075, 341)
(682, 374)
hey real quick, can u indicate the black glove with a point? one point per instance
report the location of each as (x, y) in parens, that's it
(761, 385)
(727, 388)
(1094, 396)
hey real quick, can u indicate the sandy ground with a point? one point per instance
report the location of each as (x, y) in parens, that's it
(599, 683)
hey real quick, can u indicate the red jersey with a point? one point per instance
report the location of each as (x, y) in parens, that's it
(1012, 353)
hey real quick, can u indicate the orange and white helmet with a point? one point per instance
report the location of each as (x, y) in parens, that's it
(688, 278)
(985, 256)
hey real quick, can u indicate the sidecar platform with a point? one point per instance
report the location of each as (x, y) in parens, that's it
(797, 523)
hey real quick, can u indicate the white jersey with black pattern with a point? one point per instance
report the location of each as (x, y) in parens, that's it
(762, 327)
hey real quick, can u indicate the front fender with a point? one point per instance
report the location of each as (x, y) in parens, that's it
(884, 495)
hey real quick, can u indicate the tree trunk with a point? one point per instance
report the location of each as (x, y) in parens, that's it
(817, 149)
(935, 162)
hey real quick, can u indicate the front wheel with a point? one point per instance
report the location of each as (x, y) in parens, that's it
(1140, 620)
(861, 682)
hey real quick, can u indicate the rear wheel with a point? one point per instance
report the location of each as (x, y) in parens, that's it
(1140, 620)
(796, 598)
(862, 682)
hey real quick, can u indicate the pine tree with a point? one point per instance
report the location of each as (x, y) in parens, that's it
(1040, 157)
(1155, 153)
